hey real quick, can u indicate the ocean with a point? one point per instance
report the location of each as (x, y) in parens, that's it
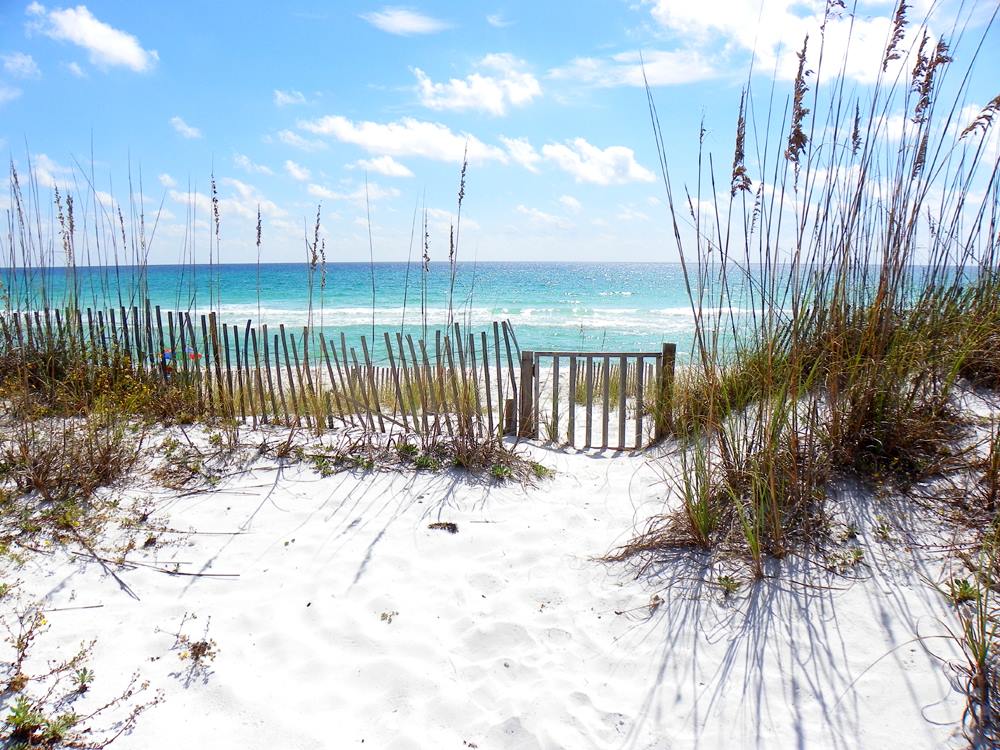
(552, 306)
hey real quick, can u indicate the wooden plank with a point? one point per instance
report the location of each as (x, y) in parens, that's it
(510, 369)
(665, 389)
(304, 396)
(197, 360)
(346, 386)
(362, 389)
(333, 380)
(153, 361)
(162, 343)
(501, 402)
(622, 383)
(291, 377)
(409, 385)
(639, 377)
(489, 391)
(478, 423)
(265, 341)
(525, 415)
(281, 390)
(537, 374)
(239, 372)
(555, 400)
(230, 398)
(173, 345)
(438, 395)
(395, 381)
(314, 399)
(571, 413)
(605, 402)
(459, 414)
(374, 387)
(425, 394)
(206, 348)
(355, 387)
(253, 401)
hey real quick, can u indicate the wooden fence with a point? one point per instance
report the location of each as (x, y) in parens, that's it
(628, 386)
(455, 382)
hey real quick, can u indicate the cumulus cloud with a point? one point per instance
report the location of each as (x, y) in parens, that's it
(285, 98)
(614, 165)
(372, 193)
(297, 171)
(626, 68)
(571, 203)
(185, 130)
(243, 201)
(522, 152)
(384, 165)
(245, 163)
(20, 65)
(8, 93)
(540, 218)
(291, 138)
(504, 84)
(497, 21)
(404, 21)
(167, 181)
(75, 69)
(774, 30)
(406, 137)
(106, 45)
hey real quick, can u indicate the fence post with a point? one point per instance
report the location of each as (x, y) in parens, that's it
(526, 415)
(664, 405)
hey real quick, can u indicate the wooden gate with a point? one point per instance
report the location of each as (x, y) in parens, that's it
(633, 387)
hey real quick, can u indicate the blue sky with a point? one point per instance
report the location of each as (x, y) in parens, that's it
(294, 104)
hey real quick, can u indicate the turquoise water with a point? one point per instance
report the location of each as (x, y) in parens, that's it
(562, 306)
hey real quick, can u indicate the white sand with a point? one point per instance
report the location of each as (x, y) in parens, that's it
(504, 635)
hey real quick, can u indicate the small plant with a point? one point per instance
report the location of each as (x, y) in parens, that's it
(425, 462)
(540, 471)
(500, 472)
(962, 590)
(82, 678)
(407, 450)
(728, 584)
(882, 528)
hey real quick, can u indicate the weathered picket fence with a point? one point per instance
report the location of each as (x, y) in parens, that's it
(454, 381)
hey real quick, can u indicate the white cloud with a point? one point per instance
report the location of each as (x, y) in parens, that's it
(540, 218)
(291, 138)
(627, 213)
(48, 173)
(497, 21)
(384, 165)
(773, 31)
(243, 201)
(245, 163)
(571, 203)
(297, 171)
(614, 165)
(407, 137)
(167, 181)
(522, 152)
(8, 93)
(510, 86)
(404, 22)
(626, 68)
(21, 65)
(372, 193)
(76, 70)
(185, 130)
(107, 45)
(284, 98)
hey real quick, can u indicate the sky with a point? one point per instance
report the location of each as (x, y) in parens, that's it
(366, 111)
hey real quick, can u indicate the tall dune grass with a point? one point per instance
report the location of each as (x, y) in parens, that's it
(842, 283)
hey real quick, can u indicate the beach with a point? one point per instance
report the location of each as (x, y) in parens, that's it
(338, 617)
